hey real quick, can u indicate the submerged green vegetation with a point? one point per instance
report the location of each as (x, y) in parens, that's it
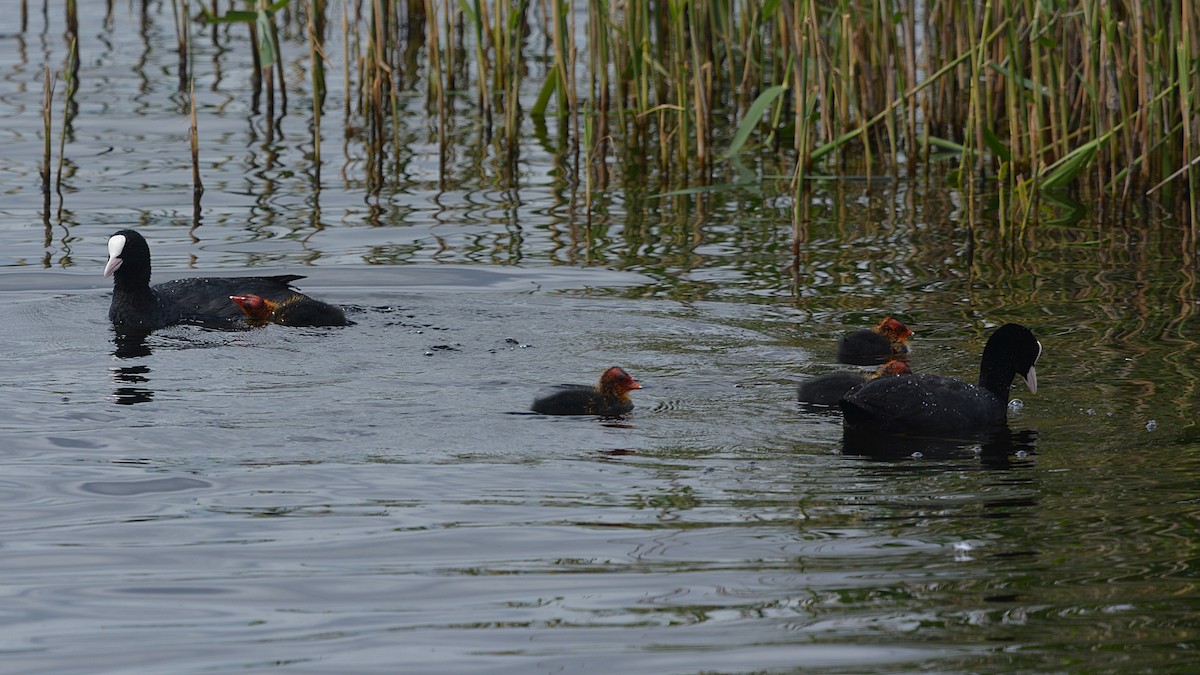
(1040, 101)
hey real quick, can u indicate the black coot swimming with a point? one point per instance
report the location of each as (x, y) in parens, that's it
(298, 310)
(933, 405)
(828, 389)
(607, 398)
(138, 307)
(871, 347)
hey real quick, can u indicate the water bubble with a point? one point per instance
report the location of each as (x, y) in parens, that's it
(1091, 411)
(961, 551)
(918, 455)
(1151, 425)
(1016, 404)
(1021, 454)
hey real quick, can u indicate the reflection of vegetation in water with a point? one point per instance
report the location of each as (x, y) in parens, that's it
(678, 498)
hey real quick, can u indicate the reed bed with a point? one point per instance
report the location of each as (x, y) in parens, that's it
(1035, 98)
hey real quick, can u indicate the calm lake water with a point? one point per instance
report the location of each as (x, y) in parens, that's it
(371, 498)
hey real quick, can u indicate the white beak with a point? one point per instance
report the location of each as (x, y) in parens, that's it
(116, 244)
(1031, 376)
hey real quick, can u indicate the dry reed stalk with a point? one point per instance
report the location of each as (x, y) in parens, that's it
(572, 92)
(179, 23)
(438, 89)
(912, 141)
(273, 34)
(72, 85)
(255, 71)
(454, 26)
(394, 105)
(885, 57)
(483, 65)
(213, 10)
(1189, 52)
(847, 64)
(48, 84)
(598, 146)
(699, 73)
(1141, 81)
(194, 142)
(346, 64)
(375, 76)
(316, 61)
(507, 31)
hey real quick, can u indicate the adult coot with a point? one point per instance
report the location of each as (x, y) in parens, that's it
(298, 310)
(828, 389)
(608, 398)
(869, 347)
(933, 405)
(138, 307)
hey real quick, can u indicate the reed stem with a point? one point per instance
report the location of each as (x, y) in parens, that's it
(194, 143)
(1030, 94)
(48, 84)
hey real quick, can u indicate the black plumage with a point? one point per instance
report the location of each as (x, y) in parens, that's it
(138, 307)
(933, 405)
(829, 388)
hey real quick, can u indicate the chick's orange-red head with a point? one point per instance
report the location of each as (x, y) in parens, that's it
(254, 306)
(894, 330)
(618, 381)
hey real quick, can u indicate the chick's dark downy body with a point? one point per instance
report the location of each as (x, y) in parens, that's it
(608, 398)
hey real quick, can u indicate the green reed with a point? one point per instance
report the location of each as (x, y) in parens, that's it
(1036, 97)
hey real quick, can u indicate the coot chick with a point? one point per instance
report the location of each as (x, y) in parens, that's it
(298, 310)
(138, 307)
(828, 389)
(932, 405)
(608, 398)
(869, 347)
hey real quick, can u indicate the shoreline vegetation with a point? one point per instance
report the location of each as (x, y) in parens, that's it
(1044, 102)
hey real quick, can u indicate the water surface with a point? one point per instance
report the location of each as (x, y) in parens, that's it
(374, 497)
